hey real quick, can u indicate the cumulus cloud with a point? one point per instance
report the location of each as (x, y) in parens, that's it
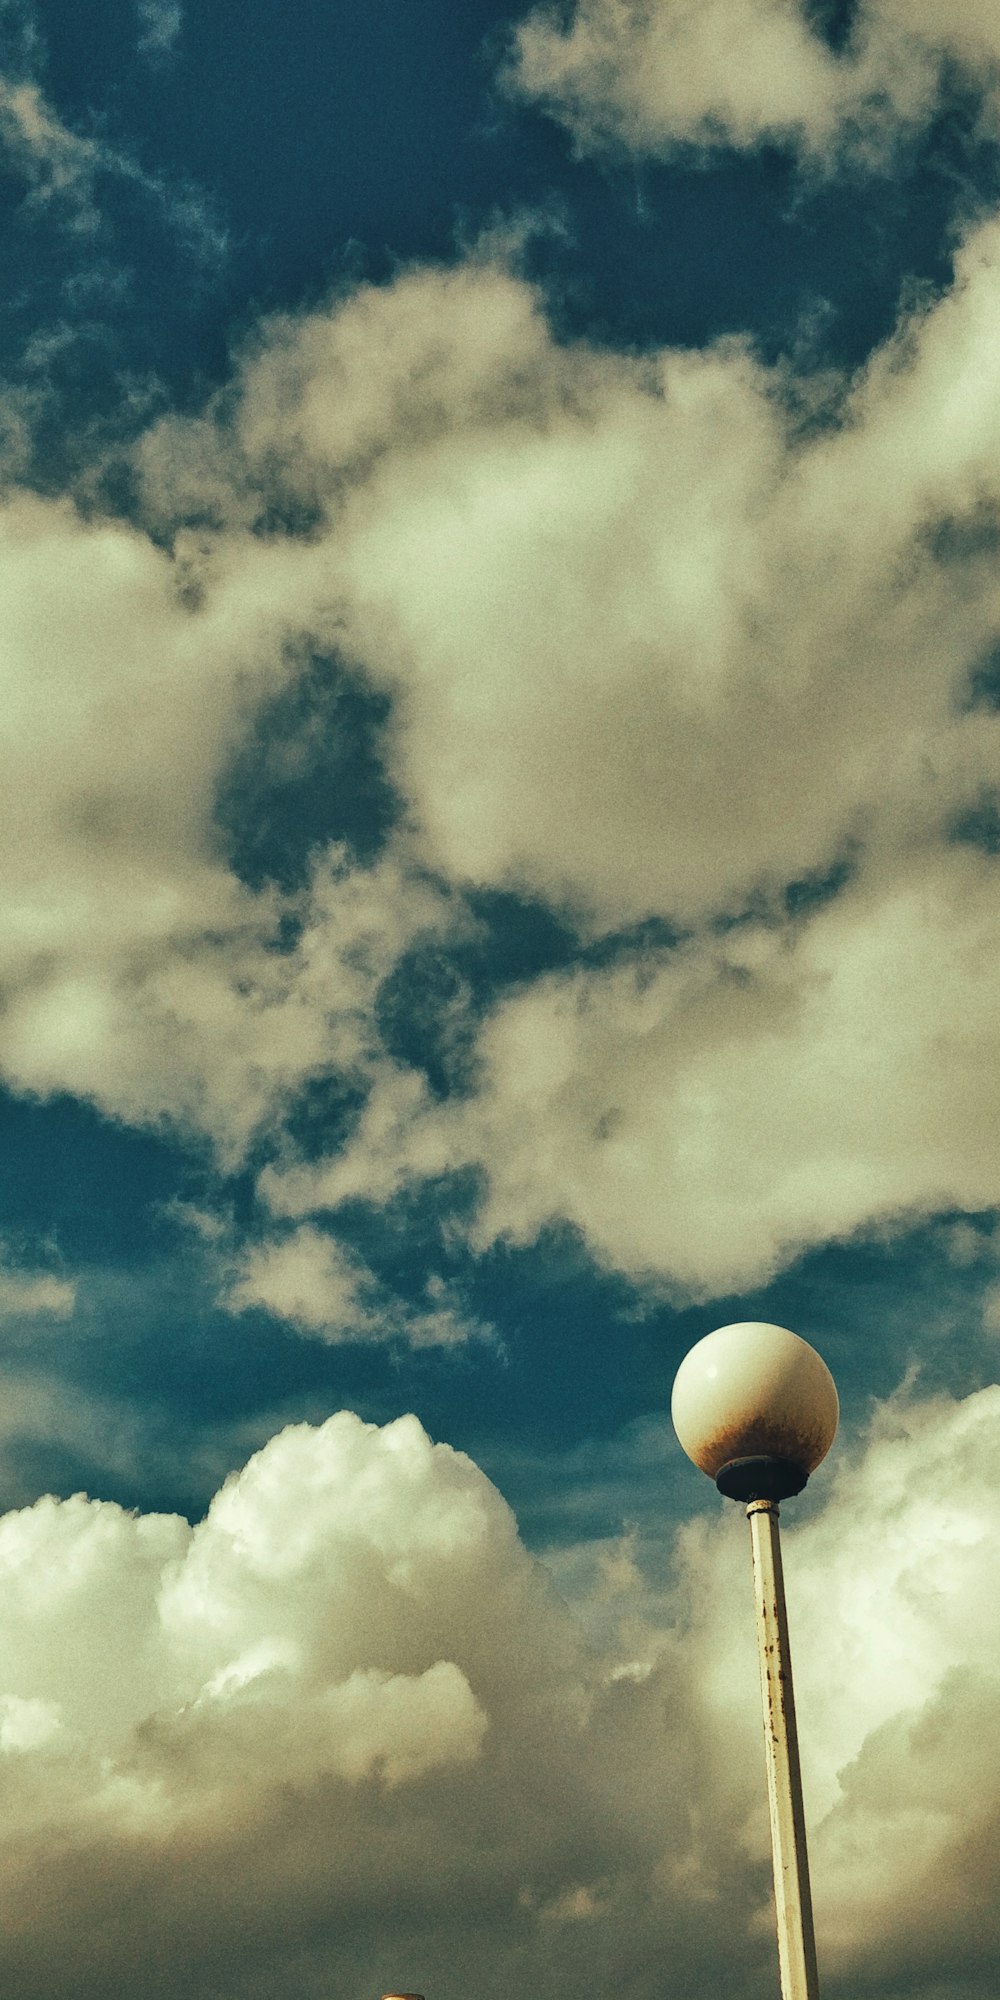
(896, 1683)
(652, 75)
(230, 1636)
(138, 970)
(705, 1116)
(654, 641)
(349, 1716)
(657, 647)
(300, 1692)
(659, 637)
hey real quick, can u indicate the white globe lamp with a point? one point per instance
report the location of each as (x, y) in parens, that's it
(756, 1408)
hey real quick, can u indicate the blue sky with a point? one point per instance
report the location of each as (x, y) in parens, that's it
(500, 794)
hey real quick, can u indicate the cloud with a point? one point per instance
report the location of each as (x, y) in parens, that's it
(306, 1278)
(313, 1282)
(677, 636)
(661, 644)
(138, 971)
(896, 1682)
(655, 75)
(62, 167)
(589, 582)
(56, 162)
(160, 23)
(31, 1292)
(348, 1715)
(706, 1114)
(238, 1644)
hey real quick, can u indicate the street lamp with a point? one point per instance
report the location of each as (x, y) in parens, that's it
(756, 1408)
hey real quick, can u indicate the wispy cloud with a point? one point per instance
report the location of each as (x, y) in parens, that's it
(313, 1282)
(160, 23)
(62, 169)
(30, 1292)
(57, 164)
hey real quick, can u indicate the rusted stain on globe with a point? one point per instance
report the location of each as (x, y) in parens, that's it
(754, 1390)
(800, 1444)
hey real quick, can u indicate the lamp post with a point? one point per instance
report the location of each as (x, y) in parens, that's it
(756, 1408)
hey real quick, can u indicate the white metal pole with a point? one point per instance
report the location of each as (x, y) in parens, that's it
(793, 1902)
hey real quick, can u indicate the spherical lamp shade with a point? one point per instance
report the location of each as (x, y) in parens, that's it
(753, 1391)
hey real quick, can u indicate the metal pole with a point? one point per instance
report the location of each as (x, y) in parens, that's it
(793, 1902)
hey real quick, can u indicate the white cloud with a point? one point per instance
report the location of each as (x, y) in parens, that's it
(54, 161)
(306, 1278)
(656, 74)
(657, 641)
(404, 1134)
(654, 649)
(312, 1281)
(891, 1565)
(33, 1292)
(653, 644)
(160, 23)
(137, 969)
(27, 1725)
(347, 1713)
(228, 1627)
(705, 1115)
(894, 1627)
(60, 166)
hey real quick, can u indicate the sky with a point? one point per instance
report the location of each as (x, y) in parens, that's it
(500, 656)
